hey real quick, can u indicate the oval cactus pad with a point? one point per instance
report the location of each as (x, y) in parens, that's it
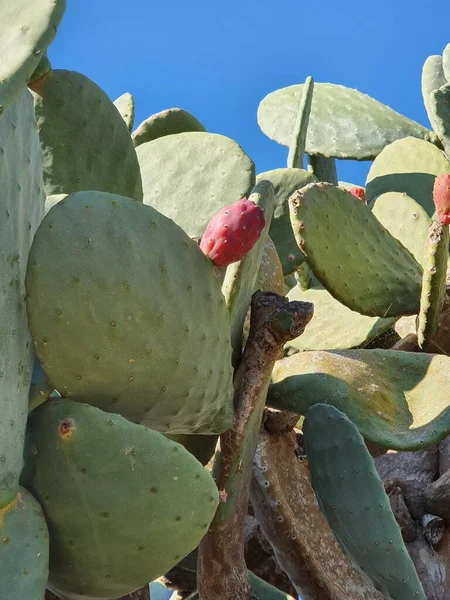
(352, 255)
(344, 123)
(189, 177)
(85, 141)
(123, 503)
(138, 325)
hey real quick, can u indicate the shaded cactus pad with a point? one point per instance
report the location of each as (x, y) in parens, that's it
(24, 549)
(373, 273)
(123, 504)
(21, 208)
(344, 123)
(189, 177)
(352, 497)
(100, 155)
(396, 399)
(285, 183)
(139, 325)
(408, 166)
(334, 326)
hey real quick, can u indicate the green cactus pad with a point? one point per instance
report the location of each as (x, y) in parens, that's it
(261, 590)
(139, 325)
(190, 176)
(22, 208)
(334, 326)
(40, 388)
(409, 166)
(352, 498)
(323, 168)
(344, 123)
(240, 277)
(396, 399)
(433, 284)
(167, 122)
(100, 155)
(125, 106)
(440, 115)
(433, 78)
(285, 182)
(298, 142)
(358, 270)
(26, 30)
(123, 504)
(24, 549)
(446, 62)
(405, 220)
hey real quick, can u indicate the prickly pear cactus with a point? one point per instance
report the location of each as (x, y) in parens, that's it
(22, 208)
(339, 117)
(123, 504)
(352, 497)
(360, 273)
(138, 326)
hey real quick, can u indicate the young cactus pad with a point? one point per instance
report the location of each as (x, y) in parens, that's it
(188, 177)
(433, 284)
(373, 273)
(343, 123)
(24, 549)
(139, 326)
(22, 208)
(100, 155)
(123, 504)
(396, 399)
(166, 122)
(352, 497)
(125, 106)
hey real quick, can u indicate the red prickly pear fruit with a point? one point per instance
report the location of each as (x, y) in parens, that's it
(441, 198)
(232, 232)
(359, 193)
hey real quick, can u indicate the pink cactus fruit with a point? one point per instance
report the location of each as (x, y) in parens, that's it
(232, 232)
(441, 198)
(359, 193)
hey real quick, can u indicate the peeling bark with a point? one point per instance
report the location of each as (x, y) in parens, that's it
(222, 572)
(437, 497)
(414, 473)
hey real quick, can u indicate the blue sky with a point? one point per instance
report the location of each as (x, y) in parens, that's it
(219, 59)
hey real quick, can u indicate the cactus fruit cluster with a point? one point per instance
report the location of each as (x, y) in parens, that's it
(218, 384)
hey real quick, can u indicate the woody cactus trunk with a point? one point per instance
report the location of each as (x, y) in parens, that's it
(214, 383)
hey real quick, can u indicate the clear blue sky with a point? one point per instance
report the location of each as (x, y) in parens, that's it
(219, 59)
